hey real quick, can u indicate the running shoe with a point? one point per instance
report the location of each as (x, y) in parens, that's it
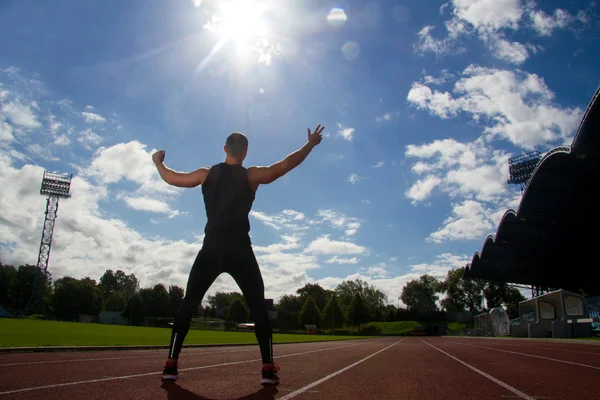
(269, 374)
(170, 371)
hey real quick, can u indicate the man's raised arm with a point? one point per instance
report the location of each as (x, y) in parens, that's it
(179, 179)
(265, 175)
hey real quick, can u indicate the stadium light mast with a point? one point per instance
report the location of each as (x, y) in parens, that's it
(521, 168)
(54, 186)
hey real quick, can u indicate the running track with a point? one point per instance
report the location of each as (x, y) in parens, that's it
(383, 368)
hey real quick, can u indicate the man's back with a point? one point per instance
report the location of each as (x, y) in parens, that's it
(228, 200)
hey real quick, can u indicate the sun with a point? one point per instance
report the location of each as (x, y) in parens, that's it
(240, 21)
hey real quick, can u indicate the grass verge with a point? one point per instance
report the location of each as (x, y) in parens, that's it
(36, 333)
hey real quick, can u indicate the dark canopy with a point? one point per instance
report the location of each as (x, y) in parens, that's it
(551, 240)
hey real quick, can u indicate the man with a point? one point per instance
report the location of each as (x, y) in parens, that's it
(229, 191)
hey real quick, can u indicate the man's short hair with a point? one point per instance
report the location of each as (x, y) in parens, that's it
(236, 144)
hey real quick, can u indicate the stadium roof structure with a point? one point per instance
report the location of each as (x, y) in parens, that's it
(551, 241)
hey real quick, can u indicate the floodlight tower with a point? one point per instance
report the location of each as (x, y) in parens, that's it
(521, 168)
(54, 186)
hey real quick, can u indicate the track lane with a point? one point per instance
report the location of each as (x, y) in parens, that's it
(244, 373)
(537, 377)
(411, 370)
(554, 353)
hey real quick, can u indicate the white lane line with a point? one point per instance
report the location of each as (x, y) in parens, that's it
(542, 348)
(117, 358)
(186, 354)
(315, 383)
(115, 378)
(491, 378)
(528, 355)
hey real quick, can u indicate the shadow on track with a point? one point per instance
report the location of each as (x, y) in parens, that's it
(176, 392)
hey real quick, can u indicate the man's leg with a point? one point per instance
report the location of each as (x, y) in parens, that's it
(204, 272)
(245, 271)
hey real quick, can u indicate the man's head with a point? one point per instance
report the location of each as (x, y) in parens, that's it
(236, 146)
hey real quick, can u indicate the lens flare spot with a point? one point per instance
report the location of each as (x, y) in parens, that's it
(351, 50)
(337, 17)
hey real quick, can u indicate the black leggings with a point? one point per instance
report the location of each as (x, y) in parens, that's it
(240, 262)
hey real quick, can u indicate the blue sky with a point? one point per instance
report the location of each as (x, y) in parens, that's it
(423, 104)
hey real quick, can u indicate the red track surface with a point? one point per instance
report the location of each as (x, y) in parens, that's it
(388, 368)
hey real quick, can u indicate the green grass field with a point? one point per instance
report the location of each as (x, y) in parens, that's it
(396, 327)
(403, 327)
(35, 333)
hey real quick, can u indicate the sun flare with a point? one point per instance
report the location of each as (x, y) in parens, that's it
(240, 21)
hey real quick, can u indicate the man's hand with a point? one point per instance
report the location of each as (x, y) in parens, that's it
(315, 137)
(158, 157)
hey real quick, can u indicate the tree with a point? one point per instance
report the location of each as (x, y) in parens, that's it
(374, 299)
(310, 314)
(494, 294)
(288, 308)
(512, 298)
(358, 312)
(461, 294)
(391, 313)
(175, 298)
(135, 309)
(90, 300)
(502, 295)
(9, 286)
(27, 274)
(118, 282)
(420, 295)
(224, 299)
(333, 315)
(314, 290)
(237, 311)
(159, 305)
(115, 302)
(73, 297)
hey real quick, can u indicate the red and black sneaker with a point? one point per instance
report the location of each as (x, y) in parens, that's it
(170, 371)
(269, 375)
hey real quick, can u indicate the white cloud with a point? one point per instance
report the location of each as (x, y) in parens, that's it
(442, 264)
(346, 133)
(355, 178)
(89, 138)
(84, 240)
(62, 140)
(324, 245)
(423, 188)
(131, 162)
(441, 47)
(503, 49)
(340, 221)
(147, 204)
(441, 79)
(490, 21)
(291, 242)
(517, 106)
(6, 132)
(289, 219)
(92, 117)
(20, 114)
(341, 260)
(489, 14)
(387, 116)
(470, 220)
(377, 272)
(379, 164)
(294, 215)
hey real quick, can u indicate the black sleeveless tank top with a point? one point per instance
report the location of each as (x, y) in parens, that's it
(228, 200)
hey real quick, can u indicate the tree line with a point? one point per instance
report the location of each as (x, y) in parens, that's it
(351, 303)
